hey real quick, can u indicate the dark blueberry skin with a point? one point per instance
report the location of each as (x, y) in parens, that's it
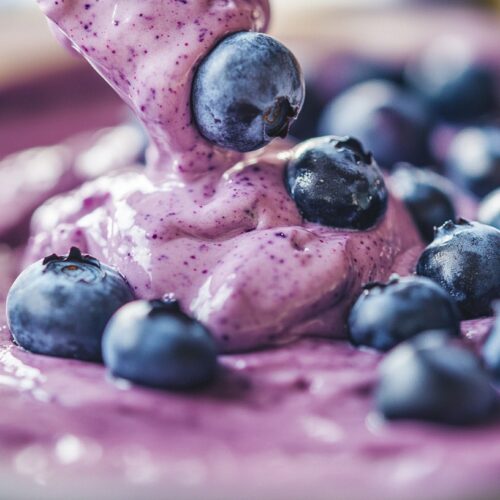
(464, 259)
(334, 182)
(424, 194)
(247, 92)
(489, 210)
(306, 125)
(155, 344)
(473, 159)
(61, 305)
(386, 315)
(457, 88)
(387, 120)
(333, 75)
(342, 70)
(491, 348)
(434, 379)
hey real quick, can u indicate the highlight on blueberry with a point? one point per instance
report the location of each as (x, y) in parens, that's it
(458, 86)
(334, 182)
(389, 121)
(491, 348)
(464, 259)
(155, 344)
(60, 306)
(247, 92)
(425, 196)
(473, 159)
(433, 379)
(388, 314)
(489, 210)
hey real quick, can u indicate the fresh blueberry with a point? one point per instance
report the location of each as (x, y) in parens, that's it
(386, 315)
(425, 196)
(60, 306)
(334, 182)
(247, 92)
(464, 259)
(157, 345)
(306, 125)
(491, 349)
(489, 210)
(339, 71)
(433, 379)
(458, 88)
(473, 159)
(388, 121)
(333, 75)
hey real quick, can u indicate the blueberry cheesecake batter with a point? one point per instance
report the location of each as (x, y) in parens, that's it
(254, 281)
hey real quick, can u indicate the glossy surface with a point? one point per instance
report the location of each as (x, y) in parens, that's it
(155, 344)
(247, 91)
(387, 314)
(46, 299)
(336, 183)
(153, 70)
(464, 259)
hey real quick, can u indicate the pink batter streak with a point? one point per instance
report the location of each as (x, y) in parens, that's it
(215, 229)
(218, 230)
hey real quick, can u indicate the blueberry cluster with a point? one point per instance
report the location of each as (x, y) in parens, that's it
(439, 108)
(76, 307)
(429, 375)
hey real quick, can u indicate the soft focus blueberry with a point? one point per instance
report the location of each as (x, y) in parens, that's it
(457, 87)
(247, 91)
(473, 159)
(157, 345)
(489, 210)
(464, 259)
(332, 75)
(60, 306)
(341, 70)
(424, 194)
(390, 122)
(433, 379)
(491, 349)
(306, 125)
(334, 182)
(385, 315)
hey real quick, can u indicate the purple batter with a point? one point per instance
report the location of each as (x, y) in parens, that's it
(219, 231)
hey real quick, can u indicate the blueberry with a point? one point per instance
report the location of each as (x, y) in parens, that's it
(157, 345)
(489, 210)
(385, 315)
(342, 70)
(334, 182)
(464, 259)
(388, 121)
(60, 306)
(473, 159)
(306, 125)
(458, 88)
(433, 379)
(425, 196)
(491, 349)
(247, 92)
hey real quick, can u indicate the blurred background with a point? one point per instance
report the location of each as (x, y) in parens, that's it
(416, 81)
